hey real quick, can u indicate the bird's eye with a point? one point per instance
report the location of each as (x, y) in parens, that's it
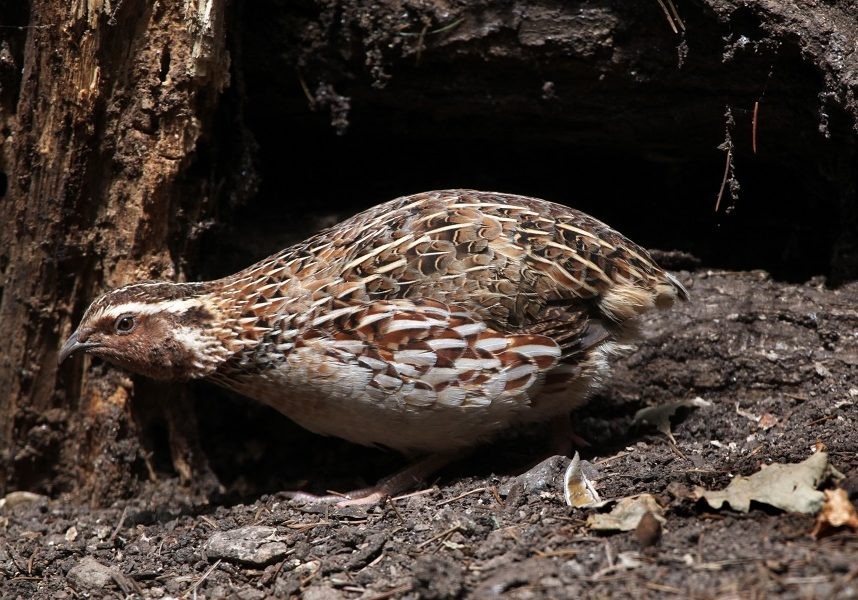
(125, 324)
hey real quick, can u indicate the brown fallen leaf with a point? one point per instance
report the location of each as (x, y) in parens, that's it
(627, 514)
(837, 512)
(790, 487)
(659, 416)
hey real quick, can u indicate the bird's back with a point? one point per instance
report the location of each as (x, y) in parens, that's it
(529, 295)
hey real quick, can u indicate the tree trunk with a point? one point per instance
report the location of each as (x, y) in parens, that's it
(115, 98)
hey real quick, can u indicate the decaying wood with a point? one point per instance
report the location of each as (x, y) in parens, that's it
(115, 97)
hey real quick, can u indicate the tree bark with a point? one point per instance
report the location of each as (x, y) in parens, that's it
(115, 98)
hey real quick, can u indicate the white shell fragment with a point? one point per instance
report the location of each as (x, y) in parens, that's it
(578, 491)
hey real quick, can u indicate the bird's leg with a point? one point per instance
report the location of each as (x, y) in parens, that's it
(392, 485)
(562, 436)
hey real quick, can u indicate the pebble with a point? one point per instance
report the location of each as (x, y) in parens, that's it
(89, 573)
(251, 545)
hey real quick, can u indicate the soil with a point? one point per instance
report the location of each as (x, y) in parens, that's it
(616, 108)
(776, 361)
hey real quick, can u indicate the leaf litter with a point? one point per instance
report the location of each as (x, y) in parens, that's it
(789, 487)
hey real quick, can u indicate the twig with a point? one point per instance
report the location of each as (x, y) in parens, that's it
(667, 14)
(556, 553)
(402, 589)
(612, 458)
(420, 40)
(658, 587)
(724, 180)
(821, 420)
(447, 532)
(460, 496)
(496, 494)
(208, 572)
(424, 32)
(676, 449)
(23, 27)
(310, 577)
(310, 99)
(308, 526)
(418, 493)
(754, 127)
(395, 508)
(30, 561)
(15, 556)
(676, 16)
(118, 525)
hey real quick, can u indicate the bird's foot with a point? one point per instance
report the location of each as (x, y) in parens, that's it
(395, 484)
(563, 439)
(361, 497)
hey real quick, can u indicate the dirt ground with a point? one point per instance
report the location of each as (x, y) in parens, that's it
(777, 361)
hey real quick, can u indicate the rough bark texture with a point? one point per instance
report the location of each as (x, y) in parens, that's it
(114, 100)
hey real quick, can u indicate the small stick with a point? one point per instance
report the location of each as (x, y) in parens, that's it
(392, 503)
(564, 552)
(119, 525)
(724, 180)
(676, 16)
(460, 496)
(658, 587)
(612, 458)
(194, 587)
(667, 14)
(412, 494)
(754, 127)
(403, 589)
(452, 529)
(310, 100)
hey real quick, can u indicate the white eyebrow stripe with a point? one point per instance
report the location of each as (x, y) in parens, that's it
(150, 308)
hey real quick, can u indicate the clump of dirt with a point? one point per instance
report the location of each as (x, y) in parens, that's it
(776, 361)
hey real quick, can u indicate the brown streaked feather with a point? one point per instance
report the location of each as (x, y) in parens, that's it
(424, 324)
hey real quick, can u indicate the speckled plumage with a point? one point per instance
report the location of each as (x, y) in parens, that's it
(425, 324)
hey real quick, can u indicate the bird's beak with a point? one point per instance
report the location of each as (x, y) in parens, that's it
(72, 345)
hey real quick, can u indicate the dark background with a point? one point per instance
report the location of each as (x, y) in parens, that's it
(341, 109)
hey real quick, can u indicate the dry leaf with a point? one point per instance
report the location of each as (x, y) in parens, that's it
(790, 487)
(659, 416)
(838, 511)
(627, 514)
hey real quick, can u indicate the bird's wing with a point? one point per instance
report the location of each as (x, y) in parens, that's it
(520, 264)
(424, 352)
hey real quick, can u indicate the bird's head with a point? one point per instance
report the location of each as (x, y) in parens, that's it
(161, 330)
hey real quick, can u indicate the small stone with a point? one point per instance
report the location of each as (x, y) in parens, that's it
(71, 534)
(89, 573)
(245, 594)
(546, 476)
(14, 499)
(321, 592)
(250, 545)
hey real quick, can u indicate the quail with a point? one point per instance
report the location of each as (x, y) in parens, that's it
(427, 324)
